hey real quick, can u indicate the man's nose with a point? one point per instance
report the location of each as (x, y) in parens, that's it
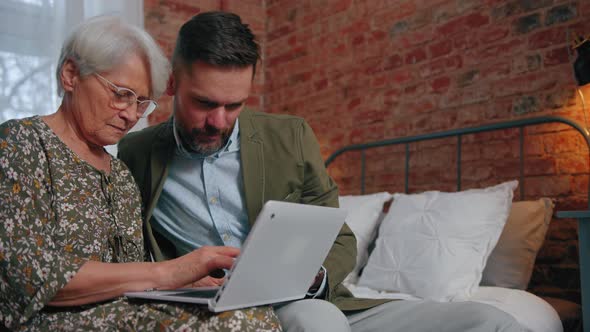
(216, 118)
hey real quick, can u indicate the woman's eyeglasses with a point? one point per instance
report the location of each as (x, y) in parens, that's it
(123, 98)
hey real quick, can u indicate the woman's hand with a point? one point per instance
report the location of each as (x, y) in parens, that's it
(193, 269)
(98, 281)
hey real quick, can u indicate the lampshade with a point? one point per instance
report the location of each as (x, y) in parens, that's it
(582, 63)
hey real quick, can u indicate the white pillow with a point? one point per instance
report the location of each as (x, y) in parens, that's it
(364, 215)
(434, 245)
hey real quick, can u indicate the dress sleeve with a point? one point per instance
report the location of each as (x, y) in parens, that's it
(32, 267)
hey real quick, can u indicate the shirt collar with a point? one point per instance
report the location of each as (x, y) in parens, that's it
(232, 144)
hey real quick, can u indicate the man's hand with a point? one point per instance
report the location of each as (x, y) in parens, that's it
(317, 282)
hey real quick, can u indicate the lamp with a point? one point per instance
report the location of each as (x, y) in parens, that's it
(582, 63)
(582, 69)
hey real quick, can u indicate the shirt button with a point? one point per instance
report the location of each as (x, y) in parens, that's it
(210, 160)
(226, 237)
(213, 200)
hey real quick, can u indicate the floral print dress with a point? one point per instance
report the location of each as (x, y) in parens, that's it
(56, 213)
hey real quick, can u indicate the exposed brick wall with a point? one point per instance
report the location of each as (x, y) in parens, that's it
(363, 70)
(163, 19)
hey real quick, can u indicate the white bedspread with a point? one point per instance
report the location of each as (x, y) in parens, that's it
(532, 312)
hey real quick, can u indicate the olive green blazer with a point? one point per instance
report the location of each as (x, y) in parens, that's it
(280, 159)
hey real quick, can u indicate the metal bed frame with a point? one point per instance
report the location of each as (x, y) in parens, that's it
(583, 217)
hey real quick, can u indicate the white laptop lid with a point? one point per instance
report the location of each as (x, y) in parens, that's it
(279, 260)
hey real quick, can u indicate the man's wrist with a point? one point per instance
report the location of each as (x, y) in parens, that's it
(319, 284)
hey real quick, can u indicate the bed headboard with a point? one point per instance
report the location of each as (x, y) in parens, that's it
(583, 217)
(458, 134)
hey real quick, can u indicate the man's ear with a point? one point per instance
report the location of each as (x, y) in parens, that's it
(69, 75)
(171, 85)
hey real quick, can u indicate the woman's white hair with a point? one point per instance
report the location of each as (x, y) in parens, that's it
(99, 44)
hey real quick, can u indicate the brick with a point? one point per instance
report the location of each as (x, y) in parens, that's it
(463, 97)
(506, 10)
(394, 14)
(578, 168)
(392, 62)
(562, 142)
(524, 84)
(560, 14)
(526, 63)
(548, 186)
(416, 89)
(540, 166)
(574, 165)
(470, 152)
(476, 173)
(556, 57)
(547, 38)
(501, 149)
(358, 40)
(496, 71)
(367, 117)
(470, 21)
(377, 35)
(423, 105)
(440, 84)
(441, 65)
(560, 98)
(402, 76)
(416, 56)
(280, 32)
(289, 56)
(516, 7)
(494, 33)
(527, 23)
(525, 105)
(321, 84)
(354, 27)
(398, 29)
(467, 78)
(530, 5)
(533, 147)
(181, 7)
(440, 48)
(379, 81)
(340, 6)
(414, 38)
(466, 40)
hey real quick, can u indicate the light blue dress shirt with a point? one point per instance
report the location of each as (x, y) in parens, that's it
(202, 202)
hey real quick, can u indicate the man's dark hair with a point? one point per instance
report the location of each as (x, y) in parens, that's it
(217, 38)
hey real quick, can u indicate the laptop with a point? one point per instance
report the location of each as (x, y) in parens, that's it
(278, 261)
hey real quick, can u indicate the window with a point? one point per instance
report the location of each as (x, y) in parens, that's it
(31, 35)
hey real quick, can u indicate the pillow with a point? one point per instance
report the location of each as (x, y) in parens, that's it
(511, 263)
(434, 245)
(364, 215)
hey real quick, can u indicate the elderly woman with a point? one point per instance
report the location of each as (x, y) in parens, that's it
(70, 214)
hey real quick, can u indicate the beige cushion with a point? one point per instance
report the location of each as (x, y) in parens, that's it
(511, 262)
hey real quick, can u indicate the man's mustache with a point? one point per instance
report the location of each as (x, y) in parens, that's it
(209, 131)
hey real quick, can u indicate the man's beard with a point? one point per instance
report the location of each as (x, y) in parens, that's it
(192, 142)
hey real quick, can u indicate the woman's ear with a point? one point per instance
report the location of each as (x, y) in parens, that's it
(171, 85)
(69, 75)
